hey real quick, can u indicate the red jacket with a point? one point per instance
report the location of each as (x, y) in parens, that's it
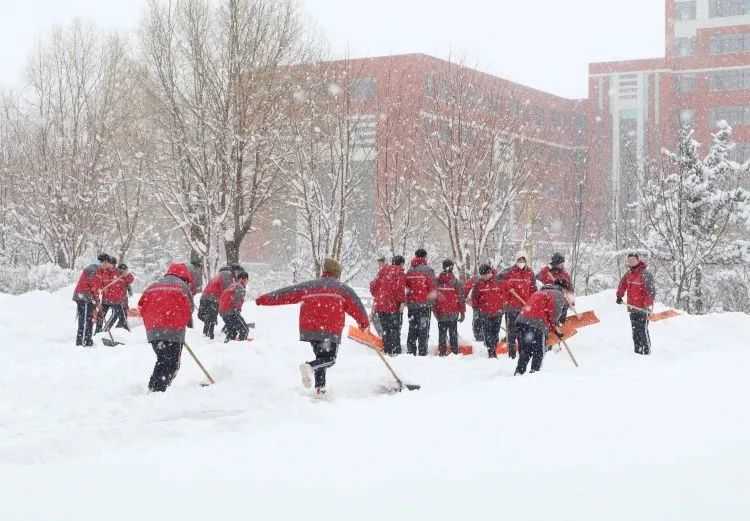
(87, 289)
(451, 301)
(325, 304)
(544, 309)
(389, 289)
(488, 297)
(167, 306)
(639, 284)
(420, 284)
(549, 275)
(218, 284)
(117, 292)
(522, 282)
(232, 299)
(105, 278)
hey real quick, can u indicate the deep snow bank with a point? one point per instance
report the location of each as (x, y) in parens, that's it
(623, 437)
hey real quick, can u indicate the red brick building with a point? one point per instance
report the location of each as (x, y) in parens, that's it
(637, 107)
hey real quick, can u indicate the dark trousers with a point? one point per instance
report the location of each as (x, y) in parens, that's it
(391, 325)
(419, 330)
(447, 329)
(167, 365)
(237, 328)
(85, 323)
(477, 326)
(510, 325)
(208, 312)
(491, 333)
(119, 316)
(641, 337)
(325, 357)
(533, 341)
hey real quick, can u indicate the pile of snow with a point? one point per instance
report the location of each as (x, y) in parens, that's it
(621, 438)
(45, 277)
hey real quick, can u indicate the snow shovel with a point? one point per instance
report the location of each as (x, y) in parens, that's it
(657, 317)
(365, 338)
(579, 320)
(111, 342)
(200, 365)
(401, 384)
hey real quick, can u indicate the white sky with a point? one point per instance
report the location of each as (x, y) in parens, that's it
(542, 43)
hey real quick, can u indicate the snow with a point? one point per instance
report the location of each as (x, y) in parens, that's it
(621, 438)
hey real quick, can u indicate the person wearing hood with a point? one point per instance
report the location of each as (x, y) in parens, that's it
(167, 307)
(518, 284)
(325, 303)
(420, 295)
(555, 271)
(639, 285)
(388, 291)
(450, 308)
(542, 314)
(208, 309)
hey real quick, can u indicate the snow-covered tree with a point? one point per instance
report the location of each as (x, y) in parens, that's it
(695, 215)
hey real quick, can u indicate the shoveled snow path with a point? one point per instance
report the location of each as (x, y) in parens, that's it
(623, 437)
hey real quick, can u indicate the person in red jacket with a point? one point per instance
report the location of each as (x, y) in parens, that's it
(208, 309)
(420, 295)
(115, 297)
(167, 307)
(325, 304)
(389, 296)
(556, 270)
(106, 277)
(518, 286)
(476, 317)
(639, 284)
(230, 309)
(487, 297)
(450, 308)
(374, 317)
(86, 297)
(542, 313)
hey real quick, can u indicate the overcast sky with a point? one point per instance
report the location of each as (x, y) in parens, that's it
(542, 43)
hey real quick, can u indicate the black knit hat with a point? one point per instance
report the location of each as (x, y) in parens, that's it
(103, 257)
(421, 253)
(122, 267)
(557, 259)
(448, 265)
(634, 255)
(484, 269)
(398, 260)
(242, 275)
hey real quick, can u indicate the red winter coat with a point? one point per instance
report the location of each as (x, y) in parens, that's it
(639, 284)
(117, 292)
(87, 289)
(217, 285)
(325, 304)
(167, 306)
(487, 296)
(451, 301)
(105, 279)
(522, 282)
(420, 284)
(548, 276)
(232, 299)
(388, 290)
(544, 309)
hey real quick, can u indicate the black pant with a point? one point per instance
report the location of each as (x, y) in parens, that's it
(119, 316)
(391, 325)
(641, 337)
(419, 330)
(447, 329)
(325, 357)
(208, 312)
(477, 326)
(167, 365)
(237, 328)
(85, 323)
(533, 341)
(491, 333)
(510, 325)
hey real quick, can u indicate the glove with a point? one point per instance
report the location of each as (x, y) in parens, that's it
(462, 317)
(619, 300)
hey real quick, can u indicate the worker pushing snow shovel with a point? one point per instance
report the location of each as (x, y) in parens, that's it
(638, 283)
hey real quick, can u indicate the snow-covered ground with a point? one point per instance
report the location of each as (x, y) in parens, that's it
(621, 438)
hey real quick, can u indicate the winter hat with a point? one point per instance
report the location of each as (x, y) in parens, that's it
(113, 260)
(381, 259)
(484, 269)
(332, 267)
(448, 265)
(122, 267)
(634, 255)
(557, 259)
(522, 255)
(421, 253)
(398, 260)
(236, 268)
(181, 271)
(103, 257)
(243, 275)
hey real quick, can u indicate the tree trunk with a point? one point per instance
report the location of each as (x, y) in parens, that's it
(232, 249)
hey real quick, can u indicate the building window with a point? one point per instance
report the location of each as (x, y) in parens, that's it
(733, 115)
(363, 88)
(740, 152)
(687, 117)
(730, 43)
(736, 79)
(684, 46)
(685, 83)
(686, 10)
(722, 8)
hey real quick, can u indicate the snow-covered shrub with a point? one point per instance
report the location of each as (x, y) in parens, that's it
(46, 277)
